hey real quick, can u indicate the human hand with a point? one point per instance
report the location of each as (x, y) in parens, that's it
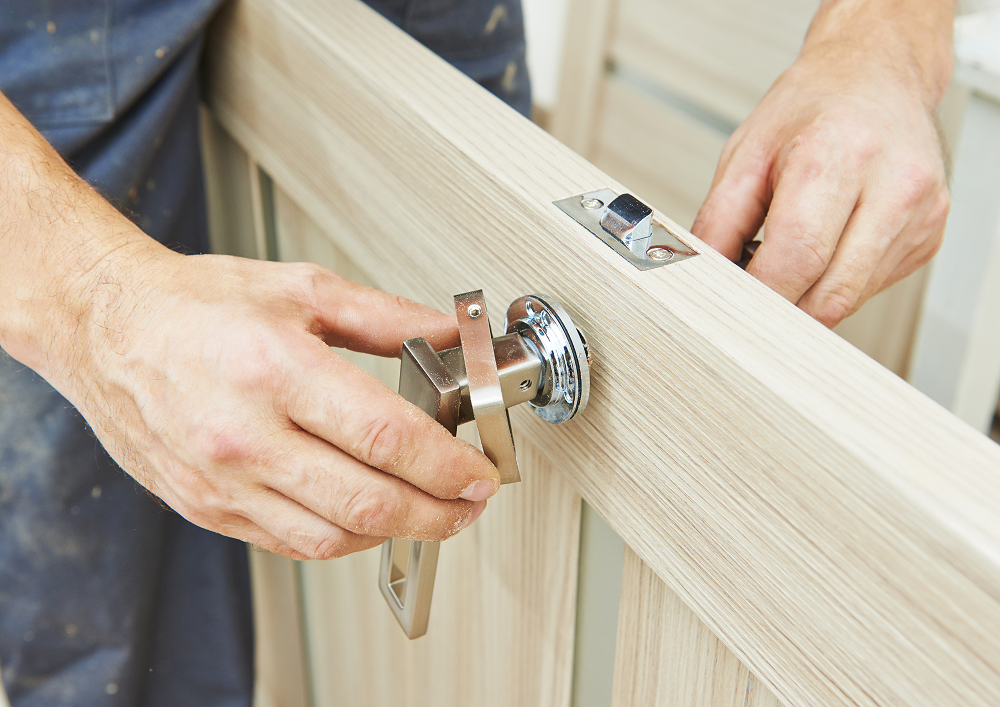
(843, 157)
(211, 381)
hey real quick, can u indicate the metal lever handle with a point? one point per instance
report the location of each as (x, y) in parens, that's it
(542, 360)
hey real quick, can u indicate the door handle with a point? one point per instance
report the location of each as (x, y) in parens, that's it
(542, 359)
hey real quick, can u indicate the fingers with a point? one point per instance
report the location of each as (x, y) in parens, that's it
(305, 532)
(356, 413)
(914, 251)
(875, 252)
(283, 527)
(858, 267)
(254, 513)
(242, 529)
(913, 261)
(885, 240)
(735, 207)
(358, 498)
(308, 499)
(371, 321)
(813, 201)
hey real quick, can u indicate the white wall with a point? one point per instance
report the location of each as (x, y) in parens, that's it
(544, 25)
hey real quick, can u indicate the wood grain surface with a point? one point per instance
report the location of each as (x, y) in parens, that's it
(666, 657)
(836, 529)
(721, 55)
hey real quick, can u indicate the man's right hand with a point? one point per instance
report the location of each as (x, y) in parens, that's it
(211, 380)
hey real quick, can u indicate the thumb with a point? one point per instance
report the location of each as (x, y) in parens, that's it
(364, 319)
(735, 208)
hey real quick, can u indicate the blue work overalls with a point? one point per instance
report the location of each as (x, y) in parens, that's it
(106, 597)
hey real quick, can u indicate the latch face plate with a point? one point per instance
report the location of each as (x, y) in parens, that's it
(664, 248)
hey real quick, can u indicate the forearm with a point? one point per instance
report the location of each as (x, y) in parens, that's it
(64, 251)
(911, 38)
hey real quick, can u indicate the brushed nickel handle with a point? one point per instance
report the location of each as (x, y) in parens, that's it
(483, 378)
(542, 360)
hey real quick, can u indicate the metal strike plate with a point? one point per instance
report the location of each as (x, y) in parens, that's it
(627, 226)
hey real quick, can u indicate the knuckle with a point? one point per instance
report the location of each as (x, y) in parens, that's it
(256, 363)
(808, 256)
(370, 510)
(211, 516)
(330, 546)
(832, 144)
(202, 498)
(825, 143)
(384, 445)
(311, 280)
(836, 306)
(308, 274)
(809, 155)
(315, 271)
(919, 183)
(937, 215)
(220, 442)
(928, 249)
(933, 245)
(864, 145)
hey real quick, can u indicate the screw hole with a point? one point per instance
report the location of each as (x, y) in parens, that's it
(525, 384)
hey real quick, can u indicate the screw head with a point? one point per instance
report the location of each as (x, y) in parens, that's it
(591, 203)
(475, 311)
(660, 253)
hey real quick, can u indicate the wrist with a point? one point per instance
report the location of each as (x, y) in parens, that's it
(108, 304)
(908, 42)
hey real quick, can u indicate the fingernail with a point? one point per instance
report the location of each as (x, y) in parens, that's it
(479, 491)
(477, 510)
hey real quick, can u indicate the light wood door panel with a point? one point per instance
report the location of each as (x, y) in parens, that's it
(665, 156)
(721, 55)
(834, 528)
(667, 657)
(280, 659)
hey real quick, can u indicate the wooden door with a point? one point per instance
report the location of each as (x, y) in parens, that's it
(801, 526)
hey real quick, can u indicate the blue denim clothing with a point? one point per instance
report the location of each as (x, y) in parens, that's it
(484, 39)
(107, 599)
